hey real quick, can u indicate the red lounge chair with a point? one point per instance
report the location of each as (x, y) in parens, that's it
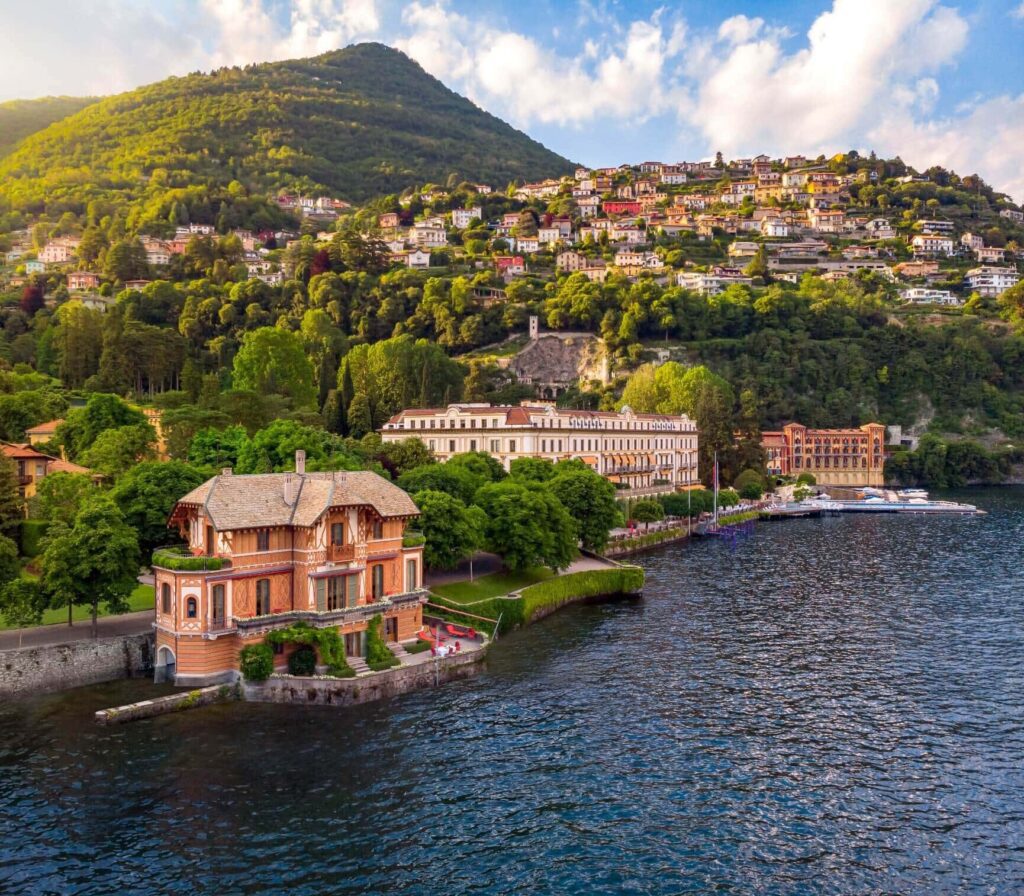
(457, 632)
(425, 636)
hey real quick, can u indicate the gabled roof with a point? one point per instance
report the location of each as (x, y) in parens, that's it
(247, 502)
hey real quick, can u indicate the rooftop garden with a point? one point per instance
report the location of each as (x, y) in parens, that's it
(181, 560)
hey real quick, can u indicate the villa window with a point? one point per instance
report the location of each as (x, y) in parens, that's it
(352, 587)
(165, 593)
(336, 593)
(191, 608)
(263, 540)
(337, 534)
(410, 575)
(218, 603)
(378, 581)
(378, 529)
(262, 597)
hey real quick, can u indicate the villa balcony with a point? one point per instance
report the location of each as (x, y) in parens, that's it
(331, 618)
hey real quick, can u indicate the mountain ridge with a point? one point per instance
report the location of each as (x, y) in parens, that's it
(21, 118)
(357, 122)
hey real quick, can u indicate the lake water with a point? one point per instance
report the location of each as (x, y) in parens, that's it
(830, 706)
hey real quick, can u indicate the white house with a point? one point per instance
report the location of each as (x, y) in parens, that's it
(774, 228)
(418, 259)
(426, 234)
(991, 281)
(921, 295)
(713, 282)
(932, 244)
(463, 217)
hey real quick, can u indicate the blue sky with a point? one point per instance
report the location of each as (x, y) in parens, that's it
(936, 81)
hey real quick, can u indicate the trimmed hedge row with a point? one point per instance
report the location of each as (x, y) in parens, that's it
(579, 585)
(180, 561)
(549, 594)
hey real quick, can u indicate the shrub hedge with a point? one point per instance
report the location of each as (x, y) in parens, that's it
(579, 585)
(181, 561)
(549, 593)
(256, 662)
(327, 641)
(302, 661)
(378, 657)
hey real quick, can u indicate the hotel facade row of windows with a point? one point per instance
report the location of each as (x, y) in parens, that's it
(428, 423)
(555, 446)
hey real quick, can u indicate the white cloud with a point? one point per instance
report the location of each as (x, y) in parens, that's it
(739, 29)
(862, 57)
(106, 46)
(245, 31)
(50, 47)
(515, 76)
(982, 139)
(1018, 13)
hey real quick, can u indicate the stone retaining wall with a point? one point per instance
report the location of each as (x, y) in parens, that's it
(37, 670)
(379, 686)
(158, 706)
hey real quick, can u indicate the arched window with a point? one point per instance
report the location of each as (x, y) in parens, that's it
(165, 598)
(190, 608)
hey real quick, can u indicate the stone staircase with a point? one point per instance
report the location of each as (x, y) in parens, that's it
(397, 649)
(358, 664)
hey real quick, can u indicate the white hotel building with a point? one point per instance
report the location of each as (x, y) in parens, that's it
(641, 451)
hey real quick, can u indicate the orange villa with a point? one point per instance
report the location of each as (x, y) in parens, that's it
(853, 457)
(269, 550)
(34, 465)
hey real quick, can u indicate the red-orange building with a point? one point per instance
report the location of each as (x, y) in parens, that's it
(853, 457)
(330, 549)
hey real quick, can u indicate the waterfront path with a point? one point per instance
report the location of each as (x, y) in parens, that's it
(62, 633)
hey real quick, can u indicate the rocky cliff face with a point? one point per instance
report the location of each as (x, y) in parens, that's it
(559, 360)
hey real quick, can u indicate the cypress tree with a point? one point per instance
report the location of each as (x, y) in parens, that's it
(12, 505)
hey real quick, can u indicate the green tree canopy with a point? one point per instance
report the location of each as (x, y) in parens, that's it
(453, 530)
(59, 496)
(147, 493)
(274, 360)
(590, 500)
(527, 525)
(94, 561)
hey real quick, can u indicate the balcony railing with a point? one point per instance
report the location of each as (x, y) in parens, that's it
(331, 618)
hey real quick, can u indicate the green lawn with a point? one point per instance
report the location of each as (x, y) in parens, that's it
(141, 599)
(493, 585)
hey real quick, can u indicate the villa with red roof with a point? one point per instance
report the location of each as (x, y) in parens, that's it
(640, 451)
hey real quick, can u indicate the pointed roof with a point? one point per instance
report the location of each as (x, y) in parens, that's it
(254, 501)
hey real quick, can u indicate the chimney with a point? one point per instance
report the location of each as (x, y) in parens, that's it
(289, 488)
(226, 471)
(300, 462)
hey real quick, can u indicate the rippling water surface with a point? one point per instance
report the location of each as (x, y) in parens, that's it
(831, 706)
